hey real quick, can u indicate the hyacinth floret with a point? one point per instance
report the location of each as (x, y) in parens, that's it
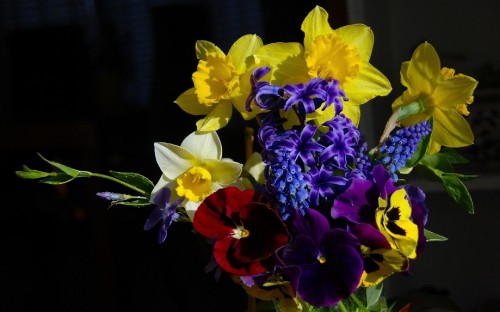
(401, 144)
(311, 96)
(341, 142)
(303, 98)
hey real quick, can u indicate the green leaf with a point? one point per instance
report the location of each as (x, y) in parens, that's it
(140, 202)
(57, 179)
(437, 161)
(458, 191)
(453, 156)
(28, 173)
(373, 294)
(68, 170)
(135, 179)
(433, 237)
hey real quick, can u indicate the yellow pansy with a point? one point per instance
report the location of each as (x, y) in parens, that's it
(195, 169)
(220, 82)
(342, 54)
(442, 94)
(393, 219)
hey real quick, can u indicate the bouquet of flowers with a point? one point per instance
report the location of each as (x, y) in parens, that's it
(315, 219)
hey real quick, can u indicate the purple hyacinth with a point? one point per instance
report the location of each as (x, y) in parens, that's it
(340, 141)
(400, 146)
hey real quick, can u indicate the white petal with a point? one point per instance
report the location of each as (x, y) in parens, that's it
(173, 160)
(191, 208)
(205, 145)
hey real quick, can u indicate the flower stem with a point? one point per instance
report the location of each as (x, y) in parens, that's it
(342, 307)
(358, 303)
(130, 186)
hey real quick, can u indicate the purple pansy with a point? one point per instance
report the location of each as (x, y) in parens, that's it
(329, 259)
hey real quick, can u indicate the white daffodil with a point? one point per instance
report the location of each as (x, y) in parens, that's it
(195, 169)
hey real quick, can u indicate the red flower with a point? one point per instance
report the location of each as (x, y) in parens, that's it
(246, 228)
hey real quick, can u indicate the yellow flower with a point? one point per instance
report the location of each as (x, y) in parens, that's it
(220, 82)
(393, 219)
(442, 94)
(195, 169)
(342, 54)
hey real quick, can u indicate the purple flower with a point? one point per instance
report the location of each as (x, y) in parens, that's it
(329, 259)
(323, 182)
(164, 211)
(340, 141)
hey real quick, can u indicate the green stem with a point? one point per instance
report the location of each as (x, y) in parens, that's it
(342, 307)
(358, 303)
(130, 186)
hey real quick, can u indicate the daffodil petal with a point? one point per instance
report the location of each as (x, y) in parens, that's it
(286, 60)
(224, 172)
(191, 208)
(217, 118)
(244, 47)
(369, 83)
(173, 160)
(204, 145)
(424, 69)
(359, 36)
(203, 47)
(455, 91)
(451, 129)
(353, 112)
(315, 24)
(188, 102)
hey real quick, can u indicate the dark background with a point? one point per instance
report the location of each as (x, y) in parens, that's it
(92, 83)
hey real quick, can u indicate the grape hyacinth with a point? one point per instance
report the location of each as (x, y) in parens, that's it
(401, 144)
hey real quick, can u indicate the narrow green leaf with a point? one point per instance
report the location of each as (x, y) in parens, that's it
(69, 171)
(59, 178)
(433, 237)
(458, 191)
(135, 179)
(139, 203)
(28, 173)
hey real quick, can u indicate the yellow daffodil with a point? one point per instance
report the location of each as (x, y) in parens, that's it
(441, 94)
(195, 169)
(342, 54)
(220, 82)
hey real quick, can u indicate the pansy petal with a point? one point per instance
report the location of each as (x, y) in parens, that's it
(313, 224)
(173, 160)
(204, 145)
(356, 203)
